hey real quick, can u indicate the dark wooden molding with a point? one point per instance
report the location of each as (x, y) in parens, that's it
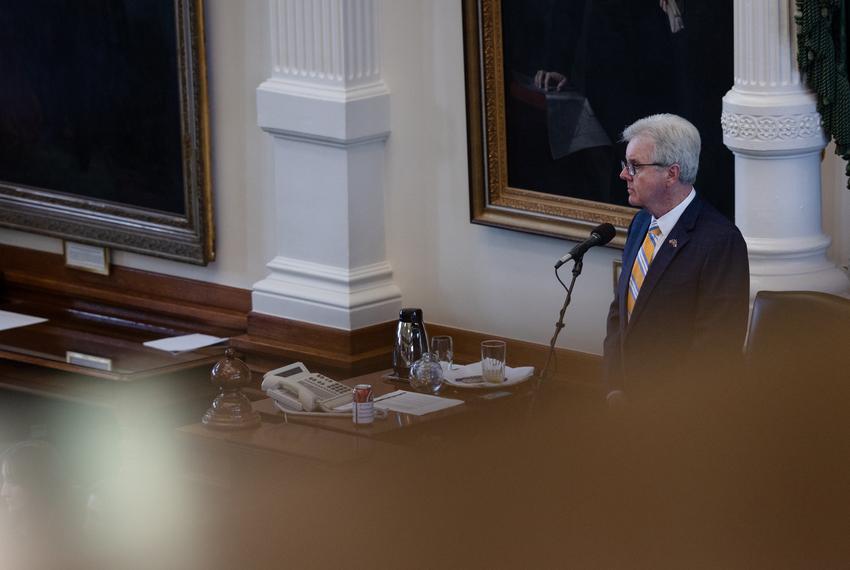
(318, 337)
(273, 341)
(107, 318)
(173, 302)
(166, 305)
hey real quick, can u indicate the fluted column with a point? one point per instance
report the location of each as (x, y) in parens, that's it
(327, 108)
(771, 123)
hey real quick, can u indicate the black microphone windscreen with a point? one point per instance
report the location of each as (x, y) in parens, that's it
(604, 231)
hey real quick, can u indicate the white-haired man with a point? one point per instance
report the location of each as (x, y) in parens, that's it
(680, 309)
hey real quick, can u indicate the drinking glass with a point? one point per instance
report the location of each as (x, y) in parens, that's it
(493, 360)
(441, 346)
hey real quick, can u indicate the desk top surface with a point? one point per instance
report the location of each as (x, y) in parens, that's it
(108, 339)
(383, 384)
(315, 436)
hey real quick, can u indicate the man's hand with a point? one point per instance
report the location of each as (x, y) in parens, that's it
(549, 80)
(674, 15)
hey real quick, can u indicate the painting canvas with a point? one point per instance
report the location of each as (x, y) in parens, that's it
(551, 84)
(103, 135)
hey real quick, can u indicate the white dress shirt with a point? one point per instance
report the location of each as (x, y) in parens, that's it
(667, 222)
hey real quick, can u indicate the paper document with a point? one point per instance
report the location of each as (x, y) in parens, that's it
(14, 320)
(184, 343)
(414, 403)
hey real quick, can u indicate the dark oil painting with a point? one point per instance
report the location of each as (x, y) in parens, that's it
(90, 102)
(576, 72)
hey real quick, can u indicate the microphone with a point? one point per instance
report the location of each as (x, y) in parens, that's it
(600, 235)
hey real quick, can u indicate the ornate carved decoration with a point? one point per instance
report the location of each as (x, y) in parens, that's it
(770, 127)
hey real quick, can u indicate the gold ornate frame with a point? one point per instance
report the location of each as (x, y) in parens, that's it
(189, 237)
(492, 201)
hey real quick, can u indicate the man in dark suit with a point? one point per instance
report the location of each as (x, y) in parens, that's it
(680, 310)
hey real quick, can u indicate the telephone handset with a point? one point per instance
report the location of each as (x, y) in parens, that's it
(296, 389)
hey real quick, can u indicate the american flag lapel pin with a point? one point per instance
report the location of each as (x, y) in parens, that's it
(673, 242)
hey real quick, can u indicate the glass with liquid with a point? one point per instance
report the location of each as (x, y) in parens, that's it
(493, 354)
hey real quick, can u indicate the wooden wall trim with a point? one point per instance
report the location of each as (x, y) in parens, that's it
(274, 341)
(317, 337)
(267, 341)
(128, 293)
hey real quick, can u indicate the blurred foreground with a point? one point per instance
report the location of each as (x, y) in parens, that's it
(733, 478)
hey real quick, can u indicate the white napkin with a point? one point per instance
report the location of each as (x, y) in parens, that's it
(470, 371)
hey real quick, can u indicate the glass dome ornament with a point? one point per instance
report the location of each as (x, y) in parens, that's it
(426, 374)
(231, 409)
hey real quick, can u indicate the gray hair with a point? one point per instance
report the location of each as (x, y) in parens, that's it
(677, 141)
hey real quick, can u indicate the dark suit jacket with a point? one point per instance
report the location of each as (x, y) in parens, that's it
(690, 318)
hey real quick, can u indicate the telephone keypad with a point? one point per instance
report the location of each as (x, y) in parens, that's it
(324, 387)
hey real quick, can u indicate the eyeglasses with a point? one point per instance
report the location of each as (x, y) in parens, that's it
(631, 167)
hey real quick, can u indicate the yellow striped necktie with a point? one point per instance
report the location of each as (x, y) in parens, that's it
(641, 266)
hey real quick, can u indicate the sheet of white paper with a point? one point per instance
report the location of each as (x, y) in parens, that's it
(14, 320)
(184, 342)
(414, 403)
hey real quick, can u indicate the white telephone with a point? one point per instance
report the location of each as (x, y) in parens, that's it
(296, 389)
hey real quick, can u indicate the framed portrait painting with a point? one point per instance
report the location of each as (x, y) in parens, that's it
(550, 86)
(104, 136)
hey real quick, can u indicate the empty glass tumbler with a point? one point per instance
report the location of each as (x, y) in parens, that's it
(441, 346)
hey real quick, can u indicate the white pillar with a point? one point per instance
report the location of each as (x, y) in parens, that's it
(771, 123)
(327, 108)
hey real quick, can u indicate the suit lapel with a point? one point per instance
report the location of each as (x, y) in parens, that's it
(679, 235)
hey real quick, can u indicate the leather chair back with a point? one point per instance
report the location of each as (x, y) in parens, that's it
(801, 337)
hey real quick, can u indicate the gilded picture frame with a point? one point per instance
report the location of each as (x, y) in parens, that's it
(111, 146)
(622, 61)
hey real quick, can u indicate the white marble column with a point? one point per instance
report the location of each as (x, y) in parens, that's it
(328, 111)
(771, 124)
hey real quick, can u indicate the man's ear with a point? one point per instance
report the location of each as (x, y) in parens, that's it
(673, 172)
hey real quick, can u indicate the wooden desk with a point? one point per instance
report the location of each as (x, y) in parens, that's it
(142, 386)
(387, 484)
(396, 427)
(72, 328)
(476, 402)
(224, 457)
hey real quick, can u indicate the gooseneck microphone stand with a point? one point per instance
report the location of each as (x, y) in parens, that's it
(577, 267)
